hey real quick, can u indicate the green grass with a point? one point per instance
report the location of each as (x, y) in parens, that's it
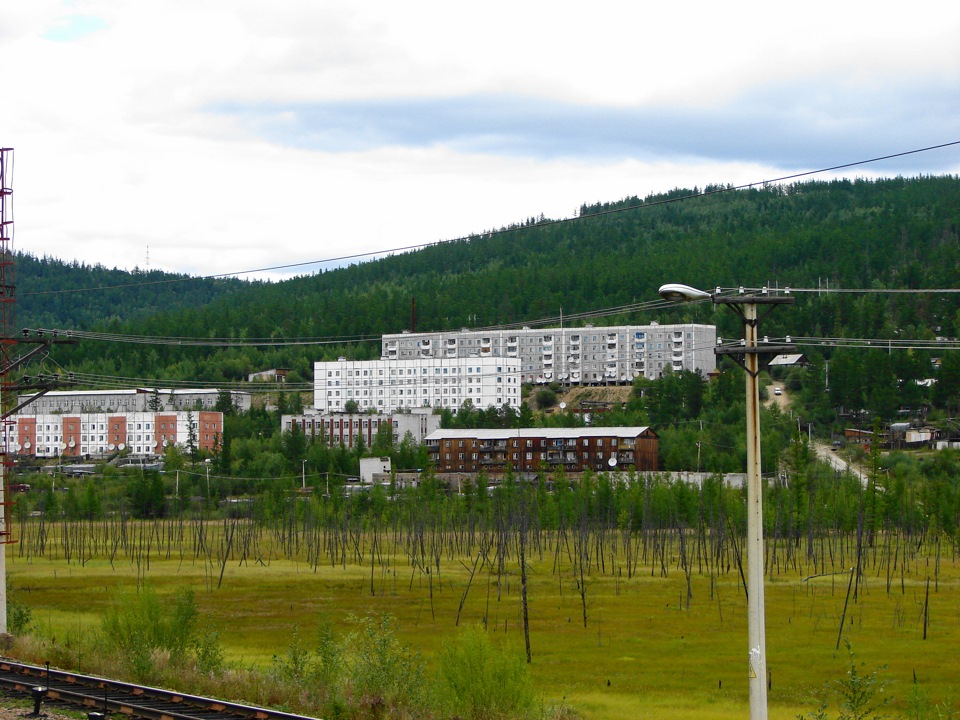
(644, 653)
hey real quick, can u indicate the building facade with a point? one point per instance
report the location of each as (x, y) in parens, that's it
(588, 355)
(531, 449)
(348, 428)
(128, 401)
(389, 385)
(89, 435)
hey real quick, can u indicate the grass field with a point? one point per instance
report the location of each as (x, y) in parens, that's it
(645, 652)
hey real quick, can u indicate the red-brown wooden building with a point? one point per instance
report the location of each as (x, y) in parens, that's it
(530, 449)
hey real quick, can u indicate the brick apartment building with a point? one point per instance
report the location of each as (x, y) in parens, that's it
(528, 450)
(82, 435)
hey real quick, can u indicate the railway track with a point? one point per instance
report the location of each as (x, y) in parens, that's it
(99, 697)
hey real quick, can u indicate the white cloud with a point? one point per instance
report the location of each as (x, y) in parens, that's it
(236, 134)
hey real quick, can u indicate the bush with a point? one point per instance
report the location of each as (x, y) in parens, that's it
(858, 695)
(19, 615)
(482, 681)
(545, 398)
(143, 627)
(379, 670)
(366, 672)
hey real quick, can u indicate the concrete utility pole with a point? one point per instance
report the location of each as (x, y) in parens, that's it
(748, 356)
(9, 341)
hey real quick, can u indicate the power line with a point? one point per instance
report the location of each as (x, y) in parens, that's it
(184, 341)
(206, 342)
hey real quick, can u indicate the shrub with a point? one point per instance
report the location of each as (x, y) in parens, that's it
(482, 681)
(545, 398)
(859, 695)
(379, 669)
(19, 614)
(143, 627)
(295, 665)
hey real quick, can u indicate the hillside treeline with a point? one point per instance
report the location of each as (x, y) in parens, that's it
(892, 233)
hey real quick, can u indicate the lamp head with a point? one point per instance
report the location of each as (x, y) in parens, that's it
(675, 292)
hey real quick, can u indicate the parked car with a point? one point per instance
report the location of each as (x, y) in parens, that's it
(777, 391)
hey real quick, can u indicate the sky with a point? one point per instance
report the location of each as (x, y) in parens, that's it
(228, 136)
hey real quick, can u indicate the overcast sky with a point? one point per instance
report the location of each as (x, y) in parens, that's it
(217, 136)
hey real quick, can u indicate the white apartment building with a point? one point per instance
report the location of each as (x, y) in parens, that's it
(390, 385)
(574, 356)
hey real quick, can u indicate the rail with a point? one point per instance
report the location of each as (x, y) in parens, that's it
(100, 697)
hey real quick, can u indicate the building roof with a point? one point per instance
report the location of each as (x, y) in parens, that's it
(137, 391)
(548, 433)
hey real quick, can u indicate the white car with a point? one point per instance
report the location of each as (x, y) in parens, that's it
(777, 391)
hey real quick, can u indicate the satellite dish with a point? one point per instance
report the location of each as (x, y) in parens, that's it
(27, 445)
(563, 406)
(612, 462)
(121, 446)
(111, 446)
(73, 443)
(63, 446)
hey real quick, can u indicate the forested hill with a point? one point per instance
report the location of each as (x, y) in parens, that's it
(894, 233)
(52, 293)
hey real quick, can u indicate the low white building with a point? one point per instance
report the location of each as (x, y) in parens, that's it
(386, 386)
(348, 428)
(373, 466)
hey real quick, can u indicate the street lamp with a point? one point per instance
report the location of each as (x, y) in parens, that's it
(748, 357)
(303, 470)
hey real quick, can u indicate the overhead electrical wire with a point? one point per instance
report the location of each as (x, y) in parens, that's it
(550, 321)
(332, 340)
(204, 342)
